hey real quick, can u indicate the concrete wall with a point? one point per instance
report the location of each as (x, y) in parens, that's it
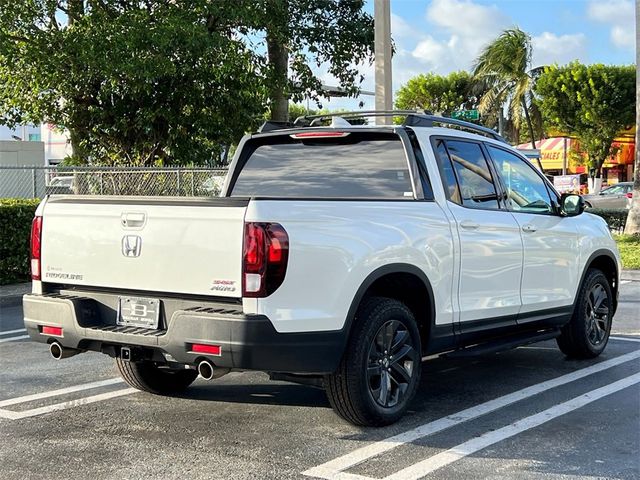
(21, 183)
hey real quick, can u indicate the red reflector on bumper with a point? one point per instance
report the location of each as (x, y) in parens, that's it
(57, 331)
(208, 349)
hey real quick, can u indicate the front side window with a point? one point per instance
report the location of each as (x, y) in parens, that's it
(447, 174)
(477, 189)
(525, 189)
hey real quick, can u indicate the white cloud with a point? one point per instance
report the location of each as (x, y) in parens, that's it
(549, 48)
(401, 29)
(467, 19)
(620, 15)
(467, 27)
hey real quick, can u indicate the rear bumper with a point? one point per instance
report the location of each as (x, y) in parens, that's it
(248, 342)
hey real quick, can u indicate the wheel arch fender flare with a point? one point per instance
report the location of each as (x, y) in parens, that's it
(377, 274)
(602, 252)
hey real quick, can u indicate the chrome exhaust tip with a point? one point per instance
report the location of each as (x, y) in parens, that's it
(209, 371)
(59, 352)
(205, 369)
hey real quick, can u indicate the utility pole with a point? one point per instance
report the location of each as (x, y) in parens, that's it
(384, 93)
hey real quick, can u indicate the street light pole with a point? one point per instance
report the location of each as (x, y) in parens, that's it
(384, 94)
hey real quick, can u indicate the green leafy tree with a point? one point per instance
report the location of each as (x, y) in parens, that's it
(592, 102)
(437, 93)
(300, 33)
(144, 83)
(298, 110)
(170, 82)
(503, 73)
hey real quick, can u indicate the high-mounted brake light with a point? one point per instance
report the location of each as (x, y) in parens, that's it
(266, 253)
(36, 247)
(323, 134)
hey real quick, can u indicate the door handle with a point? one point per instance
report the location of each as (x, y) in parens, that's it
(529, 228)
(133, 219)
(469, 225)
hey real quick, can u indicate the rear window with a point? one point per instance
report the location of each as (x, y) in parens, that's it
(357, 166)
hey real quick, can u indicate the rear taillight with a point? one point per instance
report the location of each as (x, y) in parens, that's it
(36, 247)
(266, 252)
(629, 195)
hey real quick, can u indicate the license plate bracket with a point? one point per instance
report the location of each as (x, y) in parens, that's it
(138, 312)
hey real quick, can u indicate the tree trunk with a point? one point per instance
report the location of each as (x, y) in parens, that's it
(633, 219)
(279, 59)
(531, 133)
(79, 153)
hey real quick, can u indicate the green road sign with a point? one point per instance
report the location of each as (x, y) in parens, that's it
(466, 114)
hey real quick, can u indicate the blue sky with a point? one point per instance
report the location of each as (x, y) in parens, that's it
(441, 36)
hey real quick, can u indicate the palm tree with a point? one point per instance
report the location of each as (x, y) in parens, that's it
(503, 70)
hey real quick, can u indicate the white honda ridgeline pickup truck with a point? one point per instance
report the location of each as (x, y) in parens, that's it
(337, 255)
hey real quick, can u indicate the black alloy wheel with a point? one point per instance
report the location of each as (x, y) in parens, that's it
(392, 358)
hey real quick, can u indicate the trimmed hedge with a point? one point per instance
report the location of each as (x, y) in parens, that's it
(616, 219)
(15, 229)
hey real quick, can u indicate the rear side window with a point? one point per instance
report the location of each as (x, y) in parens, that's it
(474, 177)
(359, 165)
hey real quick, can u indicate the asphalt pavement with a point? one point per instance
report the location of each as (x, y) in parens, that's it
(528, 413)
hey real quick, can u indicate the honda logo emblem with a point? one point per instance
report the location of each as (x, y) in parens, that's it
(131, 245)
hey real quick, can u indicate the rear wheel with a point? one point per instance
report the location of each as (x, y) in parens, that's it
(149, 377)
(380, 370)
(587, 334)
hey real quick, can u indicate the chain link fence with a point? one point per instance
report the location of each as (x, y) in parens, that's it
(35, 182)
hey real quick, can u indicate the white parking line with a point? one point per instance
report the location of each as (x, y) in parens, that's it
(626, 339)
(476, 444)
(61, 391)
(64, 405)
(624, 282)
(334, 469)
(11, 339)
(9, 332)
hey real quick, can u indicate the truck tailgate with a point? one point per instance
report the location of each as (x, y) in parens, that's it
(178, 245)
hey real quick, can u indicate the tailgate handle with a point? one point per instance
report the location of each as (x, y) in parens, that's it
(133, 219)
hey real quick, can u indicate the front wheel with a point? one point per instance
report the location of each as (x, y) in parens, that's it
(149, 377)
(587, 334)
(380, 370)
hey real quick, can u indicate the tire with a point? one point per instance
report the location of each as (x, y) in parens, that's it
(361, 391)
(148, 377)
(587, 333)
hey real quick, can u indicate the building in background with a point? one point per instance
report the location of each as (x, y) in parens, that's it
(17, 180)
(563, 156)
(26, 133)
(56, 144)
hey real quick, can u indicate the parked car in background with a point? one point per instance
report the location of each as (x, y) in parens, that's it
(616, 197)
(59, 186)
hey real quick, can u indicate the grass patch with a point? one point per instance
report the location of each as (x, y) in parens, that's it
(629, 246)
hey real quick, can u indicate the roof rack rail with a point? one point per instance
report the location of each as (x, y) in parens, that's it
(414, 118)
(311, 120)
(429, 120)
(271, 125)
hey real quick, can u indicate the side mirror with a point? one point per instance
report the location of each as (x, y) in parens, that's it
(571, 205)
